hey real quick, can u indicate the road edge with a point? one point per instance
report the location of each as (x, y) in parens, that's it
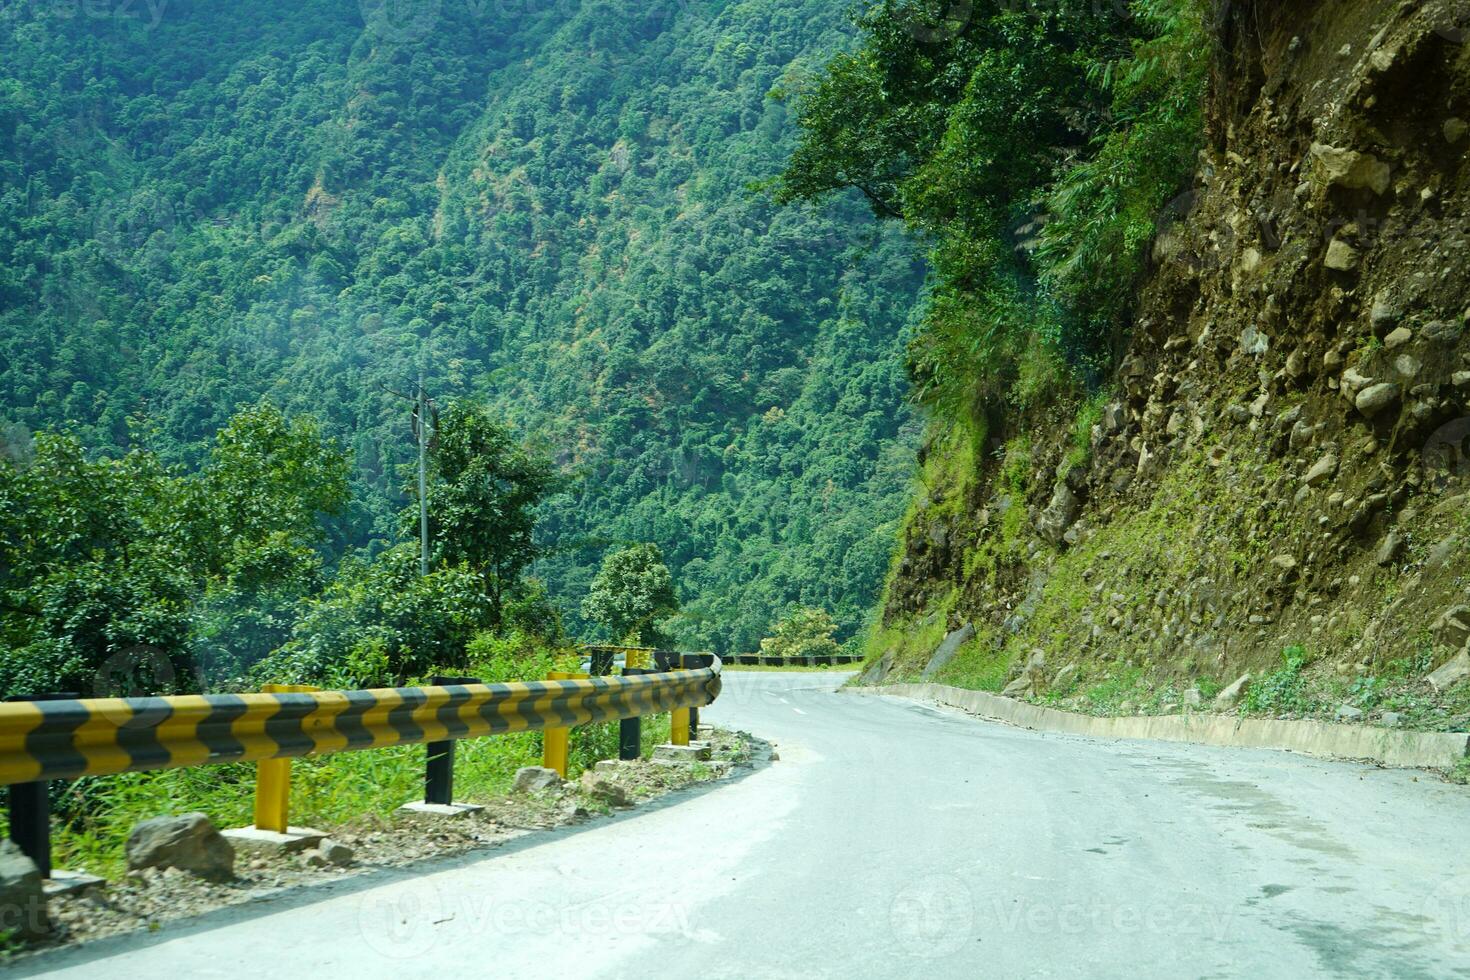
(1408, 750)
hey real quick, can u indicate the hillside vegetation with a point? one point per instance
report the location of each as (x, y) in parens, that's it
(1200, 367)
(545, 206)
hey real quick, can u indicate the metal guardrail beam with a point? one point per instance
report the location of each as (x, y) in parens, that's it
(96, 737)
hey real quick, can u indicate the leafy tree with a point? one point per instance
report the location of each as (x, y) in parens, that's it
(807, 632)
(130, 576)
(484, 488)
(381, 622)
(272, 479)
(1032, 146)
(632, 591)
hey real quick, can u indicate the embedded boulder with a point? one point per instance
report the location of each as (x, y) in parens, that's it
(1451, 672)
(22, 895)
(536, 779)
(1374, 400)
(1059, 515)
(1228, 697)
(1350, 169)
(946, 651)
(1452, 629)
(188, 842)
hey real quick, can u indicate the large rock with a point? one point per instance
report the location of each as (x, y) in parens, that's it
(670, 753)
(1059, 515)
(188, 842)
(603, 789)
(1453, 628)
(1342, 256)
(1374, 400)
(947, 650)
(1324, 470)
(329, 853)
(1353, 382)
(536, 779)
(1392, 548)
(1451, 672)
(877, 672)
(1351, 169)
(22, 896)
(1384, 315)
(1231, 694)
(1031, 680)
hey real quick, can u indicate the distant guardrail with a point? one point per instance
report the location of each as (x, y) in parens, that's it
(761, 660)
(604, 658)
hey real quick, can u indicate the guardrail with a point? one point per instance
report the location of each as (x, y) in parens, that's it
(761, 660)
(68, 738)
(603, 658)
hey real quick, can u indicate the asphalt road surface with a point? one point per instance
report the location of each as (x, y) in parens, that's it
(891, 840)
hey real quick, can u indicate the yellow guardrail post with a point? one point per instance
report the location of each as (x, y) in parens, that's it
(273, 777)
(556, 742)
(679, 723)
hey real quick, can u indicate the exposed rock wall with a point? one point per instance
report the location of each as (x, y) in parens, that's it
(1283, 456)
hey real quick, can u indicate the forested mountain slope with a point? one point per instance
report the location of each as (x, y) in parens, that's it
(545, 204)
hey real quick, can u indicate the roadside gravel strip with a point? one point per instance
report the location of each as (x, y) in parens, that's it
(1410, 750)
(145, 900)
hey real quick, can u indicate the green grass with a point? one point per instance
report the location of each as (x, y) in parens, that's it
(979, 665)
(346, 790)
(1282, 690)
(1107, 696)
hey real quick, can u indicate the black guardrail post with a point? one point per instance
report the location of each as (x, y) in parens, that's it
(630, 730)
(600, 661)
(30, 822)
(30, 806)
(695, 661)
(439, 771)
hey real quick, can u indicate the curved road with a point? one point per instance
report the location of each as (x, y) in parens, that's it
(892, 840)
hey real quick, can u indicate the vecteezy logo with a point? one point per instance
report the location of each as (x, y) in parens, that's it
(931, 22)
(136, 672)
(1209, 247)
(1446, 911)
(1446, 455)
(1451, 21)
(933, 917)
(399, 20)
(400, 924)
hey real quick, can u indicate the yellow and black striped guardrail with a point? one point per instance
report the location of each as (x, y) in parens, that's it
(67, 739)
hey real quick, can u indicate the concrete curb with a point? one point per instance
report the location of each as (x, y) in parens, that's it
(1414, 750)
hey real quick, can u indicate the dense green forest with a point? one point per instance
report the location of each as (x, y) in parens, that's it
(548, 207)
(1033, 147)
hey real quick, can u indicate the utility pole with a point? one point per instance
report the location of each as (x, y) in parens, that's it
(424, 416)
(422, 424)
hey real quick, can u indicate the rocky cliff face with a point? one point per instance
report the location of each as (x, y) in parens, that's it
(1283, 459)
